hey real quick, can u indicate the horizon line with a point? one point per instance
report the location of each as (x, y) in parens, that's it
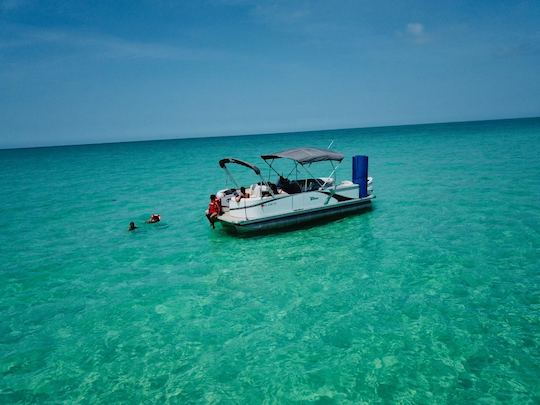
(266, 133)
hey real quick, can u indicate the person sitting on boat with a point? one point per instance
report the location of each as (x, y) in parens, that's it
(282, 184)
(274, 188)
(154, 218)
(241, 194)
(213, 211)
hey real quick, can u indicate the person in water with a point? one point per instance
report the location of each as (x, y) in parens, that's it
(154, 218)
(132, 226)
(213, 211)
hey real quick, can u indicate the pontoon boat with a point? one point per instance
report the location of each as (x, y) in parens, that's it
(289, 202)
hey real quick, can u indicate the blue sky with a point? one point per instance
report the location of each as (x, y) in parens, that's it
(103, 71)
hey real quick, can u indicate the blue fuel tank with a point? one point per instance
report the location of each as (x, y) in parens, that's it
(360, 174)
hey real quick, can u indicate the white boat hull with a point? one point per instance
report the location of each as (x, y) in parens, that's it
(290, 210)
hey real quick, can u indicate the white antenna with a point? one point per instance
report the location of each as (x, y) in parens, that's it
(331, 143)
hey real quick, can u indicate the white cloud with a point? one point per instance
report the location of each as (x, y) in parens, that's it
(416, 32)
(415, 29)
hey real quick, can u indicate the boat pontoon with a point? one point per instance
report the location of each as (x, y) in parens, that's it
(290, 202)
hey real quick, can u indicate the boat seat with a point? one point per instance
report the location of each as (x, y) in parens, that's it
(257, 191)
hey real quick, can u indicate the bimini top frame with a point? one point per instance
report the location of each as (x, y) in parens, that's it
(223, 164)
(306, 156)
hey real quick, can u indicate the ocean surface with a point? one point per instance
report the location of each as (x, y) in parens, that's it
(433, 296)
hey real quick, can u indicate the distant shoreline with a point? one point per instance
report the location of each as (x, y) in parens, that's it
(271, 133)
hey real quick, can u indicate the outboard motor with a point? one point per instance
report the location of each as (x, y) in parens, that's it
(360, 174)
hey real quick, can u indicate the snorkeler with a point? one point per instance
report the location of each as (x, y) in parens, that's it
(154, 218)
(132, 226)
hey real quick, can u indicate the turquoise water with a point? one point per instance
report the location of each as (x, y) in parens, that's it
(431, 297)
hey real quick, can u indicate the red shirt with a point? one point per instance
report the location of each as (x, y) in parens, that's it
(214, 207)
